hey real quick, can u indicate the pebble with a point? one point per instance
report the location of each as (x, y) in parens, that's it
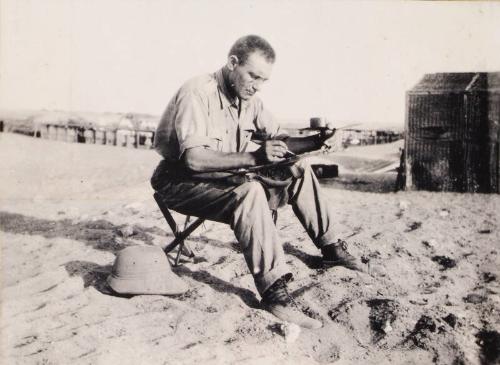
(290, 331)
(444, 213)
(451, 319)
(387, 328)
(126, 231)
(474, 298)
(404, 204)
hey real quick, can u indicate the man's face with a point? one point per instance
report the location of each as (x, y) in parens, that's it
(246, 79)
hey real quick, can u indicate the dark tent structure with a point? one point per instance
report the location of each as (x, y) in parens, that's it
(452, 133)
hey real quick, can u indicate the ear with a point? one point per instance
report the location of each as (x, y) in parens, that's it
(232, 62)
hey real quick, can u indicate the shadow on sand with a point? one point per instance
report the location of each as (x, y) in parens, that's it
(219, 285)
(311, 261)
(101, 235)
(93, 275)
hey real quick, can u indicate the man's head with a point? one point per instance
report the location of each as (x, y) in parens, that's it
(249, 64)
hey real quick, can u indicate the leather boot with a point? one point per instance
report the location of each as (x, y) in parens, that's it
(278, 301)
(336, 254)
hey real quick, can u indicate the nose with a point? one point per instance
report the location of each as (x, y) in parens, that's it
(256, 86)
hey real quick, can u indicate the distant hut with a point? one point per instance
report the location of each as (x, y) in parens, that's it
(125, 133)
(51, 125)
(73, 130)
(21, 123)
(452, 133)
(105, 125)
(145, 126)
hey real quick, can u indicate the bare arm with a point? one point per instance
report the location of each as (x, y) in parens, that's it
(205, 160)
(200, 159)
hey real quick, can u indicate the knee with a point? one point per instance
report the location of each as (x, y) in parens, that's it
(159, 175)
(251, 191)
(252, 196)
(252, 207)
(301, 168)
(304, 163)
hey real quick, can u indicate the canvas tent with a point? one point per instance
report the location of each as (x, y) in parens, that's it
(452, 133)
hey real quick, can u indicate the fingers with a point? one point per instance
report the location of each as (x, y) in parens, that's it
(277, 148)
(274, 150)
(278, 143)
(276, 159)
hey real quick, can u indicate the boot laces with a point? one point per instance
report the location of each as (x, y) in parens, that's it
(342, 244)
(278, 293)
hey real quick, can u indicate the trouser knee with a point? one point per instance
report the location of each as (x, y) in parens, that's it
(301, 168)
(252, 193)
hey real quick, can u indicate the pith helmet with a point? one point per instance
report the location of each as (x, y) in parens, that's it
(144, 270)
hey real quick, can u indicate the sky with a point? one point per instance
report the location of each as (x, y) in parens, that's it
(346, 61)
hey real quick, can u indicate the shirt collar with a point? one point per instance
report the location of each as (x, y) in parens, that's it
(227, 101)
(225, 98)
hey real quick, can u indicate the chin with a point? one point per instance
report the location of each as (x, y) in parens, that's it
(246, 96)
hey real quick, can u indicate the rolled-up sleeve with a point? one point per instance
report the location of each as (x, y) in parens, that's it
(191, 122)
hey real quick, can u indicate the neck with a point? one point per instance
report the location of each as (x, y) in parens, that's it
(226, 75)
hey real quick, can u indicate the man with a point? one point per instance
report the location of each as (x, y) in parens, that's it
(210, 127)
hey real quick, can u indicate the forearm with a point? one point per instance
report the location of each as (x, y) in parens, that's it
(206, 160)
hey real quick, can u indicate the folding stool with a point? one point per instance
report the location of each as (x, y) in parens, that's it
(181, 235)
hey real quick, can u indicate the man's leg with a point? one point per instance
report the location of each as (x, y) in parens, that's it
(315, 214)
(245, 208)
(310, 205)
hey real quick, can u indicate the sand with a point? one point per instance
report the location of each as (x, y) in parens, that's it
(431, 294)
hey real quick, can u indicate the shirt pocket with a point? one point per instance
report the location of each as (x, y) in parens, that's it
(215, 138)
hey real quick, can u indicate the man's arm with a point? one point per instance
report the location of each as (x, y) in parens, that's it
(200, 159)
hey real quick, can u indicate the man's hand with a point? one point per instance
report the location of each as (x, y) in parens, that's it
(271, 151)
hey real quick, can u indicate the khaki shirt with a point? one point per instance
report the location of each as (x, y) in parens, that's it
(202, 114)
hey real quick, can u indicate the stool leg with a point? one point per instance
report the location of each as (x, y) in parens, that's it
(183, 247)
(180, 236)
(186, 251)
(178, 256)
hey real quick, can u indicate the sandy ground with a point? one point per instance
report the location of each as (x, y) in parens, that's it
(431, 294)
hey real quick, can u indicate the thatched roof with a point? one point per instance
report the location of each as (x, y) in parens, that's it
(130, 121)
(457, 82)
(59, 118)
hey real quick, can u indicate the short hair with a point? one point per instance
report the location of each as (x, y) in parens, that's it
(248, 44)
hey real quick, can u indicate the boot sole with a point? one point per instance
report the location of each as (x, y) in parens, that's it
(305, 322)
(347, 265)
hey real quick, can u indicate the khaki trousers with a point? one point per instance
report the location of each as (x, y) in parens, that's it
(247, 209)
